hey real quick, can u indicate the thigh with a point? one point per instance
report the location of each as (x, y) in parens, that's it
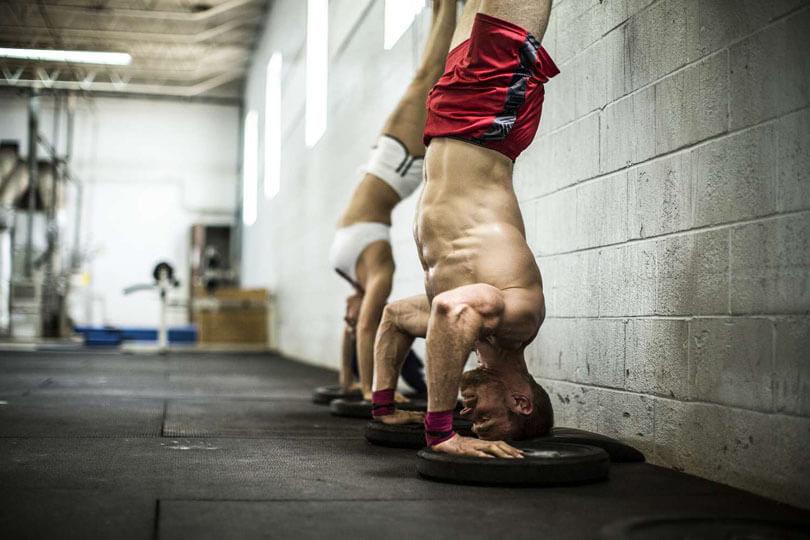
(530, 14)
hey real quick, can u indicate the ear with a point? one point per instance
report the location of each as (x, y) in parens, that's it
(522, 404)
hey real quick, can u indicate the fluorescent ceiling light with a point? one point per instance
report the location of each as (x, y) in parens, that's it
(86, 57)
(250, 168)
(399, 15)
(317, 65)
(272, 128)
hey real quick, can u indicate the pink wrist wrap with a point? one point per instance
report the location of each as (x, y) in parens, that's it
(438, 427)
(382, 402)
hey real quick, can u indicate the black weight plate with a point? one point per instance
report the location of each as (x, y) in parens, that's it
(323, 395)
(617, 450)
(706, 528)
(362, 409)
(408, 435)
(544, 463)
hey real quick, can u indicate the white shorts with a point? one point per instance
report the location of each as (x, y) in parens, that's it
(391, 163)
(349, 244)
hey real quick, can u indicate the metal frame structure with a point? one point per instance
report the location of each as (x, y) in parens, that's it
(180, 48)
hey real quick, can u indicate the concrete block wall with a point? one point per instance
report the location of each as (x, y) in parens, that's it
(667, 193)
(666, 197)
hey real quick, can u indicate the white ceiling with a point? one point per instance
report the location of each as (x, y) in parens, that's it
(178, 47)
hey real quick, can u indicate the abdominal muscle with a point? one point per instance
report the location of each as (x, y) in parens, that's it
(468, 225)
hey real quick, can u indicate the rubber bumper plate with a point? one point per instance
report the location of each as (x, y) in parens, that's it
(323, 395)
(617, 450)
(408, 435)
(362, 409)
(705, 528)
(544, 463)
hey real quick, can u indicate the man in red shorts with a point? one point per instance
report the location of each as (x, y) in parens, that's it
(483, 287)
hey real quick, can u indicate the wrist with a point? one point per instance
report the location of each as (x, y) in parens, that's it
(382, 402)
(438, 427)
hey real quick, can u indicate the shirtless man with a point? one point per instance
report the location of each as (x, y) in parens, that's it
(483, 287)
(361, 252)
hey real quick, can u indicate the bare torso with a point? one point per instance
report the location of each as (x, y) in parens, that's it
(469, 230)
(372, 201)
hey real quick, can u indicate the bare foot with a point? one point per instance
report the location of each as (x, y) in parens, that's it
(403, 417)
(399, 398)
(352, 387)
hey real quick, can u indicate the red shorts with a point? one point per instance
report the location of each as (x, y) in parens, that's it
(491, 92)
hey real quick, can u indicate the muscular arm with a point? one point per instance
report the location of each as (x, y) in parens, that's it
(402, 321)
(377, 288)
(458, 319)
(346, 356)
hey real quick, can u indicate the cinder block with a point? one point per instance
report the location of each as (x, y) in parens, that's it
(600, 352)
(616, 12)
(659, 195)
(553, 353)
(562, 158)
(574, 405)
(579, 24)
(769, 72)
(627, 131)
(735, 177)
(627, 278)
(767, 453)
(549, 39)
(690, 437)
(721, 22)
(656, 357)
(692, 105)
(556, 222)
(693, 274)
(731, 362)
(658, 41)
(591, 75)
(559, 103)
(629, 418)
(793, 141)
(769, 266)
(601, 212)
(792, 366)
(615, 58)
(570, 284)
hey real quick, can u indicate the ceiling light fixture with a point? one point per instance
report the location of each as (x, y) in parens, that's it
(85, 57)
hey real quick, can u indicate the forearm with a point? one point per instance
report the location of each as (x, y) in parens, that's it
(451, 338)
(365, 357)
(346, 357)
(390, 349)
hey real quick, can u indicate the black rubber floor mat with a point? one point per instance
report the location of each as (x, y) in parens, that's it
(80, 416)
(707, 527)
(254, 419)
(76, 514)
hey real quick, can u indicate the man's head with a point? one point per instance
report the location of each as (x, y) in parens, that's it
(501, 413)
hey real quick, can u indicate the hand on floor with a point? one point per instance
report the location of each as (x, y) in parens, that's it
(470, 446)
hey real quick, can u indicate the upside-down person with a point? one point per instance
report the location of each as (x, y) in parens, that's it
(483, 287)
(361, 252)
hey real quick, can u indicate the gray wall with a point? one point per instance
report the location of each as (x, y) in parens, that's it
(666, 197)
